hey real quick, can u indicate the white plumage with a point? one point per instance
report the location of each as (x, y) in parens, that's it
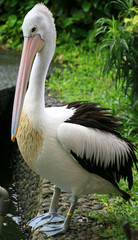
(104, 147)
(76, 146)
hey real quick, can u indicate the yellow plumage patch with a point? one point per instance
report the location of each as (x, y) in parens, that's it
(30, 141)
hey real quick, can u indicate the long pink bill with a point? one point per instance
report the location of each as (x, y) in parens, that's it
(32, 45)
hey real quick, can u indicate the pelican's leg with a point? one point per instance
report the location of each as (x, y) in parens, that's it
(52, 215)
(54, 202)
(53, 229)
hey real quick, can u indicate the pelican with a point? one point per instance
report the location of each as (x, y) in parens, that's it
(77, 146)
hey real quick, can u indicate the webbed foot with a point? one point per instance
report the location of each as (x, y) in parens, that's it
(54, 229)
(45, 219)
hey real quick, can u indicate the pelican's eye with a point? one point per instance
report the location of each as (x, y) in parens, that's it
(34, 30)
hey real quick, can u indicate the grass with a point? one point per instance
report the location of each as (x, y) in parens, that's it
(117, 212)
(78, 77)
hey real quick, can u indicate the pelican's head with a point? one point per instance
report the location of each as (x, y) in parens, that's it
(39, 36)
(39, 21)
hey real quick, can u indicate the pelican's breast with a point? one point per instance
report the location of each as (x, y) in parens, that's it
(30, 141)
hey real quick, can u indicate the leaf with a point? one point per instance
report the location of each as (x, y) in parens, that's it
(134, 9)
(11, 20)
(101, 30)
(86, 6)
(135, 20)
(67, 22)
(126, 20)
(3, 28)
(77, 15)
(123, 41)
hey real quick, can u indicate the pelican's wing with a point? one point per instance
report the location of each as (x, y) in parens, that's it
(99, 152)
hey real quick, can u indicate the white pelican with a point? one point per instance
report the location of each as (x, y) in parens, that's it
(76, 146)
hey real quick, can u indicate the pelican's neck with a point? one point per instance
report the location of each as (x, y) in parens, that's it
(35, 93)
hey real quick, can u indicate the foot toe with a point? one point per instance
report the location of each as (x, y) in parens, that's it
(53, 229)
(45, 219)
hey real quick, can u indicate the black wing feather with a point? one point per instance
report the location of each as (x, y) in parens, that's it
(90, 115)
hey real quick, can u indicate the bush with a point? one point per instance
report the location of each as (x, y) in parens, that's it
(120, 41)
(73, 18)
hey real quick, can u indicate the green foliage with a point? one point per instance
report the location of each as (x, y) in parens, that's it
(117, 211)
(122, 48)
(73, 18)
(12, 28)
(11, 18)
(132, 23)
